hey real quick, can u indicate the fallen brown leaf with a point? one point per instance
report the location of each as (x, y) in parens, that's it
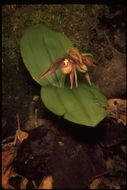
(20, 135)
(7, 158)
(47, 183)
(95, 183)
(124, 148)
(5, 178)
(117, 109)
(23, 183)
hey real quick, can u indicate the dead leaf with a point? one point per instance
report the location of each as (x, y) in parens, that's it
(95, 183)
(110, 183)
(7, 158)
(20, 135)
(5, 178)
(117, 109)
(109, 163)
(8, 173)
(47, 183)
(23, 183)
(124, 148)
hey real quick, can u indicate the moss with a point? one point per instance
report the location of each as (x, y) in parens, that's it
(76, 21)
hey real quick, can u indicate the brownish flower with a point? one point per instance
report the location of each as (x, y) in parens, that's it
(69, 64)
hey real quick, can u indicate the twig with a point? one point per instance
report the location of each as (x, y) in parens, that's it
(35, 118)
(17, 115)
(10, 138)
(107, 38)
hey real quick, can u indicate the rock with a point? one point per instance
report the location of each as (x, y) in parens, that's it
(56, 152)
(74, 170)
(71, 154)
(112, 133)
(111, 78)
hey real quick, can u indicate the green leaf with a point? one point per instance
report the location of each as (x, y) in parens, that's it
(40, 47)
(84, 105)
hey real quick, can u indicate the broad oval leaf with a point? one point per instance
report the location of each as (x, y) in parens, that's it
(40, 47)
(84, 105)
